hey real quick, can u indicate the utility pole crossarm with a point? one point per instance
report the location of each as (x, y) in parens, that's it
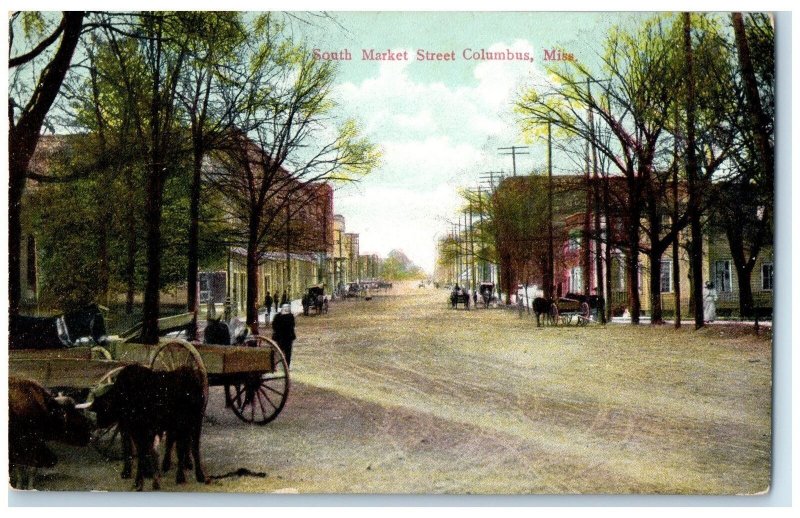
(513, 151)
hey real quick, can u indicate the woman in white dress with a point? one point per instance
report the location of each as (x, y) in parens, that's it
(709, 303)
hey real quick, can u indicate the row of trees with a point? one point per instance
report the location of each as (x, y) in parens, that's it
(197, 131)
(674, 133)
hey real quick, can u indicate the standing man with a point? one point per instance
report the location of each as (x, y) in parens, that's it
(268, 304)
(283, 331)
(284, 298)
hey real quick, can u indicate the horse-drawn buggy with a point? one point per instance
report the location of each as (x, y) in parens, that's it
(459, 296)
(45, 350)
(315, 299)
(486, 291)
(581, 309)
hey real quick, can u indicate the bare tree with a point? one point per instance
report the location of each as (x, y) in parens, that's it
(25, 127)
(285, 146)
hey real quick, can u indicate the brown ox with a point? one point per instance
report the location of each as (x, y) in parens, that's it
(34, 417)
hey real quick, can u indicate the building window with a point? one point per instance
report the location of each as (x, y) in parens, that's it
(574, 242)
(621, 272)
(576, 280)
(722, 275)
(666, 276)
(205, 288)
(767, 272)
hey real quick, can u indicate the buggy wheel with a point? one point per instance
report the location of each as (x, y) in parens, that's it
(259, 397)
(171, 355)
(554, 313)
(107, 441)
(100, 353)
(584, 317)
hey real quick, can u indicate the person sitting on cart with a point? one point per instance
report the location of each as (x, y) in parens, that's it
(283, 331)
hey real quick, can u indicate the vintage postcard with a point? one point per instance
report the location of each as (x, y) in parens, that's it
(504, 253)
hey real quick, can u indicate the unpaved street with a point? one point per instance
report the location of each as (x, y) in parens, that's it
(401, 394)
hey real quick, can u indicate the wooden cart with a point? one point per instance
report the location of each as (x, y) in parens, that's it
(255, 375)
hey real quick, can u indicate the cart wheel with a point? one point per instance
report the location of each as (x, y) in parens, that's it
(554, 313)
(106, 441)
(583, 319)
(260, 396)
(171, 355)
(100, 353)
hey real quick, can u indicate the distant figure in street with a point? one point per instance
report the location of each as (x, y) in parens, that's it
(454, 295)
(709, 303)
(268, 304)
(284, 298)
(475, 297)
(283, 331)
(306, 304)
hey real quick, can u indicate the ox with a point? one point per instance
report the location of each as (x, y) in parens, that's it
(36, 416)
(146, 403)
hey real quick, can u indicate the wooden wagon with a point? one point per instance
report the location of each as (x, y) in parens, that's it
(255, 375)
(565, 310)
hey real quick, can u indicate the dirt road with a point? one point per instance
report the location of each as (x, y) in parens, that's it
(401, 394)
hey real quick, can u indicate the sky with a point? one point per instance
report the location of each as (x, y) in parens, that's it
(439, 123)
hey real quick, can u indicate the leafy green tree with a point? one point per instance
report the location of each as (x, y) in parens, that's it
(397, 266)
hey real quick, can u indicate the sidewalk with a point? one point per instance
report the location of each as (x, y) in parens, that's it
(646, 320)
(297, 309)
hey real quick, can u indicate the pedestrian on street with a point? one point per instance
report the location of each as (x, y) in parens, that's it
(475, 297)
(283, 331)
(284, 298)
(268, 304)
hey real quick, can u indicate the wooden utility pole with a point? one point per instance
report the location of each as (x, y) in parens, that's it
(586, 265)
(513, 152)
(472, 246)
(489, 177)
(481, 261)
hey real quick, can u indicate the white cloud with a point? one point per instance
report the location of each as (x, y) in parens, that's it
(435, 139)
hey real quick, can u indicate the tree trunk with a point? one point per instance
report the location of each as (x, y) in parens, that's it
(252, 284)
(192, 302)
(633, 252)
(154, 191)
(505, 275)
(744, 269)
(746, 305)
(692, 173)
(676, 268)
(130, 265)
(656, 311)
(102, 245)
(22, 140)
(609, 234)
(15, 191)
